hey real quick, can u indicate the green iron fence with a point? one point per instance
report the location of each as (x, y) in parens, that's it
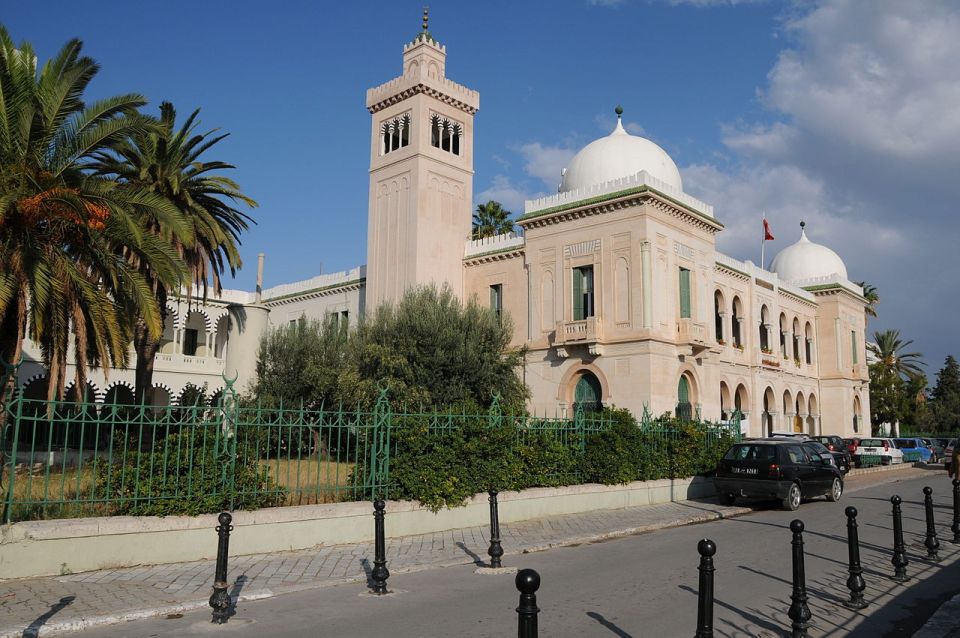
(63, 459)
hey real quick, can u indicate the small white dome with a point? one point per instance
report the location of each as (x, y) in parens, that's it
(619, 155)
(806, 260)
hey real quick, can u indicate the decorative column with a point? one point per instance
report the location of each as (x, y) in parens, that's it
(647, 283)
(739, 320)
(788, 419)
(773, 419)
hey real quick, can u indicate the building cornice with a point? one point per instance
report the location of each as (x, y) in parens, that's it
(313, 293)
(611, 202)
(417, 89)
(493, 255)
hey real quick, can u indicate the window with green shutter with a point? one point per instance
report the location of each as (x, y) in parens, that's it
(684, 293)
(582, 293)
(496, 300)
(684, 409)
(853, 345)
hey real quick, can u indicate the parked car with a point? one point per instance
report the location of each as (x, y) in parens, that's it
(937, 446)
(884, 448)
(852, 444)
(776, 469)
(914, 446)
(948, 454)
(838, 448)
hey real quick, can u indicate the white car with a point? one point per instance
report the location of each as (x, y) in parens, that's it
(884, 448)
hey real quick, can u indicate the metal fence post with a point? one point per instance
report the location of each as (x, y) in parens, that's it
(799, 612)
(955, 527)
(930, 542)
(380, 573)
(12, 465)
(495, 551)
(220, 599)
(855, 581)
(379, 471)
(899, 559)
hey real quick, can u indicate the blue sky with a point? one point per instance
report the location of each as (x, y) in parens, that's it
(841, 113)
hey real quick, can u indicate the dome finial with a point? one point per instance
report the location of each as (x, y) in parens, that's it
(803, 225)
(618, 111)
(426, 18)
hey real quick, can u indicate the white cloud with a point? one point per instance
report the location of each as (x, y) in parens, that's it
(546, 162)
(862, 146)
(504, 191)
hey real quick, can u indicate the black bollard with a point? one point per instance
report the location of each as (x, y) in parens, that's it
(707, 549)
(955, 528)
(930, 542)
(855, 582)
(899, 559)
(220, 598)
(380, 573)
(495, 551)
(528, 582)
(799, 612)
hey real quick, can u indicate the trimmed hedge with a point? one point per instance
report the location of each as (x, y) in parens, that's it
(444, 467)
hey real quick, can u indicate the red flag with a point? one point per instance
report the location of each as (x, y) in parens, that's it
(767, 235)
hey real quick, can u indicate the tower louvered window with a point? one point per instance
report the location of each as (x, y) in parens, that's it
(395, 134)
(445, 134)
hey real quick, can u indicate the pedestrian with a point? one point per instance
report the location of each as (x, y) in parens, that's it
(954, 472)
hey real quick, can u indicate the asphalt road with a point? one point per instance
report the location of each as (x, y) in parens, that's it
(641, 586)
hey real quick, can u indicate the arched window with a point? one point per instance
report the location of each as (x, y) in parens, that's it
(684, 410)
(735, 321)
(764, 331)
(587, 393)
(445, 134)
(718, 315)
(395, 134)
(808, 339)
(796, 339)
(783, 335)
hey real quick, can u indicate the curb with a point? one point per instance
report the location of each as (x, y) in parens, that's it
(89, 622)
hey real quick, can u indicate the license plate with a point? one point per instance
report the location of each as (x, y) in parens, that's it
(744, 470)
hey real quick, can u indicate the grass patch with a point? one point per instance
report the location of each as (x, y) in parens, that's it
(312, 480)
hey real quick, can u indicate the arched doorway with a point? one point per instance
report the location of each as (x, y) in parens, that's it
(684, 409)
(769, 410)
(587, 393)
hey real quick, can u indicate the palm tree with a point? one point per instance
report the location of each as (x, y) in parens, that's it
(166, 161)
(491, 219)
(870, 294)
(887, 349)
(889, 371)
(62, 228)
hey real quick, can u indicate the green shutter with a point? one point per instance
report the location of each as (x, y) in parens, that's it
(853, 345)
(684, 293)
(578, 294)
(683, 390)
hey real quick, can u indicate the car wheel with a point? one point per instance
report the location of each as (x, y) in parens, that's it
(886, 460)
(792, 500)
(836, 490)
(727, 498)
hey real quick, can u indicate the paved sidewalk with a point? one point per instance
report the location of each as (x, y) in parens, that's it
(44, 606)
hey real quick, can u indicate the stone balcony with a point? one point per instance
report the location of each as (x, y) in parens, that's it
(587, 331)
(693, 334)
(171, 362)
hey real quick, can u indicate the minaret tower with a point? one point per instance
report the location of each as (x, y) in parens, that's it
(421, 175)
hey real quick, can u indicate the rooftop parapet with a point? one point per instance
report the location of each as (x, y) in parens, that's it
(320, 281)
(419, 81)
(496, 243)
(643, 178)
(834, 280)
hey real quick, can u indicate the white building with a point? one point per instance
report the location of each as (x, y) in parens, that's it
(615, 285)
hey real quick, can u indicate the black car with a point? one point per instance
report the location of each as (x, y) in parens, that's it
(840, 457)
(838, 447)
(776, 469)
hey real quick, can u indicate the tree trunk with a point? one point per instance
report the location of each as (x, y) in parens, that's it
(146, 349)
(13, 325)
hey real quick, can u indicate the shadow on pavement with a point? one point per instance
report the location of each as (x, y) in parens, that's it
(33, 630)
(609, 625)
(473, 555)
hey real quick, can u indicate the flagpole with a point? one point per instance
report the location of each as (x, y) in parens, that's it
(763, 240)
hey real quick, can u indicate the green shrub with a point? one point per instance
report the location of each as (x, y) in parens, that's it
(181, 475)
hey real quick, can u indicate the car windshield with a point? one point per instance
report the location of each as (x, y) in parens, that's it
(750, 452)
(813, 445)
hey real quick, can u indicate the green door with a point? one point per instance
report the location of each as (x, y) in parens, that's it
(684, 408)
(587, 393)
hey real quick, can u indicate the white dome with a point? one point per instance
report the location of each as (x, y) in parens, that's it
(619, 155)
(806, 260)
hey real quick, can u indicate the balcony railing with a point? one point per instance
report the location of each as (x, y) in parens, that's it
(691, 332)
(181, 362)
(584, 331)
